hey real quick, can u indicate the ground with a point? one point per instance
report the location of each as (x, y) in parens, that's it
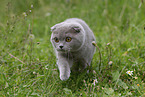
(28, 63)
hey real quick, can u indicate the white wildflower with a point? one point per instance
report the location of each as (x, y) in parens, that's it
(34, 72)
(108, 43)
(32, 6)
(129, 72)
(94, 72)
(110, 63)
(129, 93)
(95, 82)
(24, 13)
(31, 36)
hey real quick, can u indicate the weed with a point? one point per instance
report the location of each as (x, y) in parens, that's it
(28, 64)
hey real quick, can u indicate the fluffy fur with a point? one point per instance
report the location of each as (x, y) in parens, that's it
(72, 41)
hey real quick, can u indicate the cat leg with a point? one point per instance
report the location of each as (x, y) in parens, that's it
(64, 68)
(83, 64)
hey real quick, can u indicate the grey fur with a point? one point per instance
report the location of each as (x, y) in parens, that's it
(76, 54)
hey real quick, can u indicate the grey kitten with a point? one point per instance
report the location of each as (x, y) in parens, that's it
(72, 41)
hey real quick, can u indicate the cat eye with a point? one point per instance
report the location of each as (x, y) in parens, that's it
(56, 39)
(68, 39)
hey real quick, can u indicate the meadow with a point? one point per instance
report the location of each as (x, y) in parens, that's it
(28, 63)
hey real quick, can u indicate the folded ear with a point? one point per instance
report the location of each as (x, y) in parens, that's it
(77, 29)
(53, 28)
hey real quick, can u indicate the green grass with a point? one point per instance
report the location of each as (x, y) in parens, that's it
(28, 63)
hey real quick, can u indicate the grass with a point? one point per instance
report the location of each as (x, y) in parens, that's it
(28, 64)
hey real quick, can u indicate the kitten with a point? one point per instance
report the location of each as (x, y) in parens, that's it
(72, 41)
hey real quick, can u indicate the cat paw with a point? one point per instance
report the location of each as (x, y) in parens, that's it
(64, 77)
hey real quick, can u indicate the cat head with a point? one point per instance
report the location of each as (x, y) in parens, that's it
(67, 37)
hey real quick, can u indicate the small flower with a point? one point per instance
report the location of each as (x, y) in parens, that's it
(34, 72)
(136, 77)
(30, 11)
(31, 36)
(108, 44)
(95, 81)
(32, 6)
(110, 63)
(94, 72)
(85, 83)
(138, 85)
(38, 42)
(94, 43)
(129, 93)
(24, 13)
(129, 72)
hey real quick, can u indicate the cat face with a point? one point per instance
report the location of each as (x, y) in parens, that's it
(67, 37)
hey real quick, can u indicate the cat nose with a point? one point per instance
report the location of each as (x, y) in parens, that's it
(61, 46)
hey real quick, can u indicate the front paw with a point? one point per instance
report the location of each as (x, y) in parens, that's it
(64, 77)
